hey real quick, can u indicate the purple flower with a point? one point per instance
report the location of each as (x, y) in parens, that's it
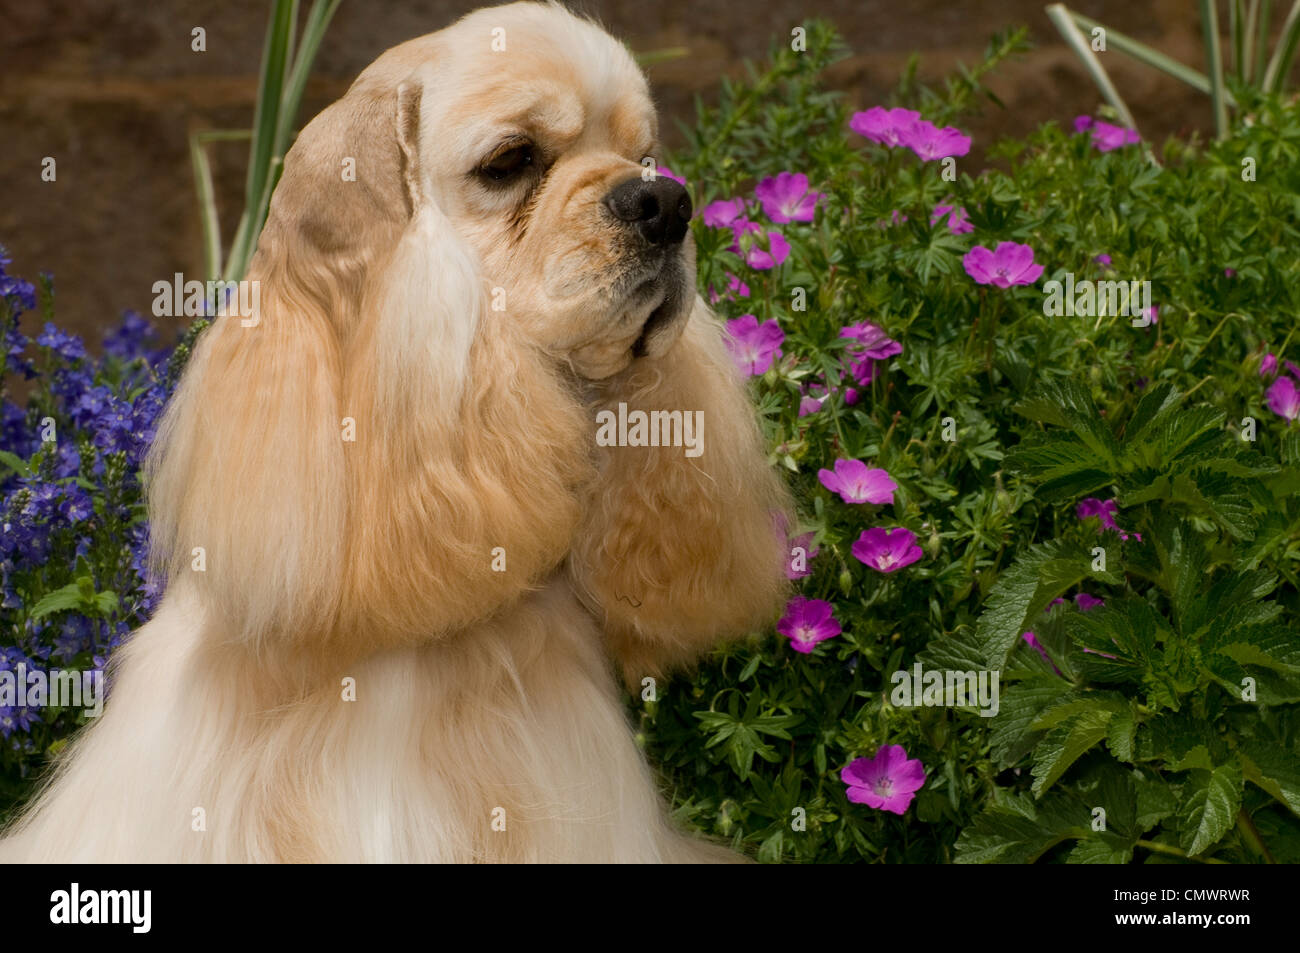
(664, 172)
(802, 541)
(723, 212)
(1283, 398)
(886, 550)
(885, 126)
(1106, 137)
(1103, 259)
(786, 197)
(1010, 264)
(870, 341)
(735, 289)
(1037, 647)
(1268, 366)
(887, 782)
(807, 622)
(753, 346)
(855, 483)
(749, 244)
(1086, 602)
(67, 346)
(870, 344)
(810, 405)
(1292, 369)
(1104, 511)
(958, 223)
(930, 142)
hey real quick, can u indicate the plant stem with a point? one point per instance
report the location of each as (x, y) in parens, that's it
(1214, 62)
(1250, 834)
(1157, 848)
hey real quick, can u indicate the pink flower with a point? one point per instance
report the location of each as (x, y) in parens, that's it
(668, 173)
(802, 541)
(886, 550)
(1268, 366)
(749, 244)
(1103, 260)
(958, 223)
(887, 782)
(1086, 602)
(723, 212)
(810, 405)
(884, 126)
(1010, 264)
(753, 346)
(786, 198)
(930, 142)
(735, 289)
(1283, 398)
(870, 341)
(1037, 647)
(807, 622)
(1106, 137)
(1103, 510)
(855, 483)
(870, 344)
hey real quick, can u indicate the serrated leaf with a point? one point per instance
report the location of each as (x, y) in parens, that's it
(1065, 744)
(1024, 590)
(1274, 769)
(1010, 737)
(1020, 835)
(1211, 800)
(60, 600)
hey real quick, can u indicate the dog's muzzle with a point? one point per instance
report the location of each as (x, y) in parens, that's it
(657, 209)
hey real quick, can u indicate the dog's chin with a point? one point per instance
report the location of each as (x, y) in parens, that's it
(651, 329)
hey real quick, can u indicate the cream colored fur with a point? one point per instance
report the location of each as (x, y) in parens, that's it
(481, 696)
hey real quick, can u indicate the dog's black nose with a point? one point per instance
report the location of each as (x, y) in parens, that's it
(659, 208)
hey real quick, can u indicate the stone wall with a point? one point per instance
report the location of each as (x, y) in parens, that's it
(112, 90)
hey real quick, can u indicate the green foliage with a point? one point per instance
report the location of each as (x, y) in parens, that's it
(1135, 707)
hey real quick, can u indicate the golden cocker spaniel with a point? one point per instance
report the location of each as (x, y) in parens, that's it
(403, 574)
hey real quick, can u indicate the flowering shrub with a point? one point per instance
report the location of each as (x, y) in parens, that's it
(1092, 514)
(74, 546)
(1096, 507)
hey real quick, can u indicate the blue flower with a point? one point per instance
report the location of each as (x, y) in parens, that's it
(67, 346)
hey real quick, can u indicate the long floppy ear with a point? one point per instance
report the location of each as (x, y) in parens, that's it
(465, 471)
(680, 550)
(349, 461)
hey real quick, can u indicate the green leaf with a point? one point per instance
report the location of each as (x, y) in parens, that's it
(1011, 736)
(1067, 403)
(15, 463)
(1274, 769)
(1065, 744)
(1023, 591)
(1020, 832)
(1211, 801)
(60, 600)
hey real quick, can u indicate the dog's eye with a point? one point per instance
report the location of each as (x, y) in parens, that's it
(509, 162)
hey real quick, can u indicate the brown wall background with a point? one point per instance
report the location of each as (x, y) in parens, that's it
(111, 90)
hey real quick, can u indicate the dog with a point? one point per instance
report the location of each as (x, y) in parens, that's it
(403, 578)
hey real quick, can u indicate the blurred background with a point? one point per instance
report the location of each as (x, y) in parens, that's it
(112, 91)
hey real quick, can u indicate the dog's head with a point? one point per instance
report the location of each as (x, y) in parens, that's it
(536, 138)
(453, 247)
